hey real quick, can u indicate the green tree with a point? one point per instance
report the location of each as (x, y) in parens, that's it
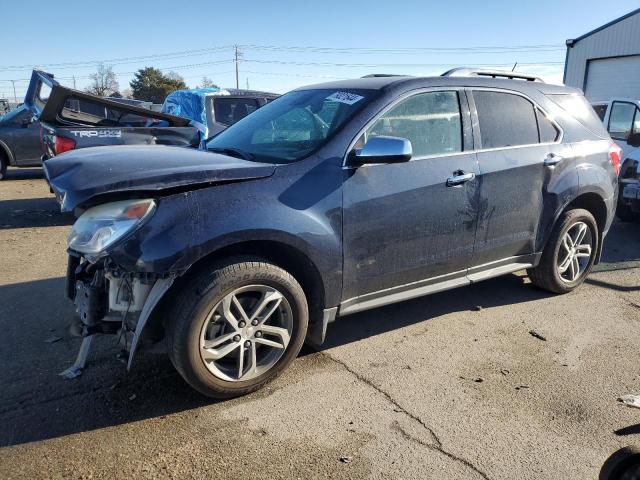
(207, 83)
(151, 85)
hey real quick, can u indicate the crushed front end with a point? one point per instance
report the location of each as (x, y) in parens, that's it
(107, 299)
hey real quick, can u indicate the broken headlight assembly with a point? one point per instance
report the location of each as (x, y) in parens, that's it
(101, 226)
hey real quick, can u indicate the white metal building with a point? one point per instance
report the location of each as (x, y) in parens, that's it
(605, 62)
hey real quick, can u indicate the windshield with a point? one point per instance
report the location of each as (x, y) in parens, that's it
(292, 126)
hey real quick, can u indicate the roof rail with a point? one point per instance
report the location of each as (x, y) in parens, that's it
(379, 75)
(472, 72)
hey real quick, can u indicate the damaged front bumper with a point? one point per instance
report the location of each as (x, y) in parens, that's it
(109, 301)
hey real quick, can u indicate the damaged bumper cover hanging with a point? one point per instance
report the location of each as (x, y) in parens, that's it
(110, 302)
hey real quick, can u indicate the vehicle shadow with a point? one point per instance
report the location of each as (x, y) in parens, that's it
(32, 212)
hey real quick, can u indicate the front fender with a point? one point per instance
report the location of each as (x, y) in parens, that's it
(302, 211)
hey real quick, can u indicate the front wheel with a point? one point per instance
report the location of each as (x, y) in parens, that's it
(569, 255)
(235, 328)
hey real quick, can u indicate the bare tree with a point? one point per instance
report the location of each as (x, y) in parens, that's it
(104, 82)
(207, 83)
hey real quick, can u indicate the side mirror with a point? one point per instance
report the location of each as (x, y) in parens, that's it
(634, 140)
(383, 149)
(26, 121)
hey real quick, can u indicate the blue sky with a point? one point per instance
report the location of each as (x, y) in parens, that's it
(277, 40)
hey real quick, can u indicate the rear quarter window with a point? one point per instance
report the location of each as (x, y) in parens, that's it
(579, 108)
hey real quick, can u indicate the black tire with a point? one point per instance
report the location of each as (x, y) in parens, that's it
(624, 212)
(3, 165)
(546, 275)
(623, 464)
(199, 296)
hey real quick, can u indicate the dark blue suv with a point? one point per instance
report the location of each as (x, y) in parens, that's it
(330, 200)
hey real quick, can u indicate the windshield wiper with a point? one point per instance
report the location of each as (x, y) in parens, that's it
(233, 152)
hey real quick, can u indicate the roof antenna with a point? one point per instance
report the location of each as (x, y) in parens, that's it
(514, 67)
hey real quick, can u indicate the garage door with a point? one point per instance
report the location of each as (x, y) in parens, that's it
(613, 77)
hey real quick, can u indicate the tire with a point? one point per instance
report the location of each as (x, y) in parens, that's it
(3, 165)
(624, 212)
(624, 463)
(200, 309)
(547, 274)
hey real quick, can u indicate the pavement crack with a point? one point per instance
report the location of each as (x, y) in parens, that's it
(436, 446)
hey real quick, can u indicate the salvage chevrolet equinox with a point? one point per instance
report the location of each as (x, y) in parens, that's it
(330, 200)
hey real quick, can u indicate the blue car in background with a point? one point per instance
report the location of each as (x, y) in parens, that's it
(214, 109)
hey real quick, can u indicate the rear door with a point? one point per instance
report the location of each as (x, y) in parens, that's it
(404, 225)
(520, 159)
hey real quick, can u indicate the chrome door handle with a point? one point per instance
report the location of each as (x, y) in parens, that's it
(552, 159)
(459, 177)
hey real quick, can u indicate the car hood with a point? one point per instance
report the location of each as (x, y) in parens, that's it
(79, 178)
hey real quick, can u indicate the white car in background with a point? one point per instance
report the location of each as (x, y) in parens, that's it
(621, 117)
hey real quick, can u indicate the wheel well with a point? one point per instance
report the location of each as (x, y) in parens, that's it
(594, 204)
(285, 256)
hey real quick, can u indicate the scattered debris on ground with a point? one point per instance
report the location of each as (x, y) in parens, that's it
(630, 400)
(537, 335)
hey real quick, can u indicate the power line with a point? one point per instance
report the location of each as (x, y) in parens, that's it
(376, 65)
(294, 49)
(118, 61)
(410, 50)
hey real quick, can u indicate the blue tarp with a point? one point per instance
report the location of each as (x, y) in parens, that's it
(189, 104)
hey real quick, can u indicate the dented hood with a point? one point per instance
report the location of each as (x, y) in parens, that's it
(78, 178)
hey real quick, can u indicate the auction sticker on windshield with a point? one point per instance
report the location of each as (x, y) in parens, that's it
(344, 97)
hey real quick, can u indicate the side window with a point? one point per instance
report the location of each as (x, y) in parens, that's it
(430, 121)
(506, 120)
(231, 110)
(548, 131)
(621, 120)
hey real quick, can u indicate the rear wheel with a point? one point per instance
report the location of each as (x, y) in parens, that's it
(233, 329)
(569, 255)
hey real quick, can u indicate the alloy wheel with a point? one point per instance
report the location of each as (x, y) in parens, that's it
(246, 333)
(575, 252)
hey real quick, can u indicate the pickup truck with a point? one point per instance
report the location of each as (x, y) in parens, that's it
(71, 119)
(621, 117)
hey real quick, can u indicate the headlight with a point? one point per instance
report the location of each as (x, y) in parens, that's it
(100, 226)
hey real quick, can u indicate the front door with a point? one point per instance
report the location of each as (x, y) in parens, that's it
(404, 223)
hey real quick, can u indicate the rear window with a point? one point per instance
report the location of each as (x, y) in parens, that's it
(228, 111)
(506, 120)
(579, 108)
(95, 113)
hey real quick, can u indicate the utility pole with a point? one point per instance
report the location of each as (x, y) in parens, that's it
(237, 61)
(247, 83)
(15, 97)
(74, 82)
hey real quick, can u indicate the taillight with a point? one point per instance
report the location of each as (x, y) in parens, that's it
(615, 155)
(63, 144)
